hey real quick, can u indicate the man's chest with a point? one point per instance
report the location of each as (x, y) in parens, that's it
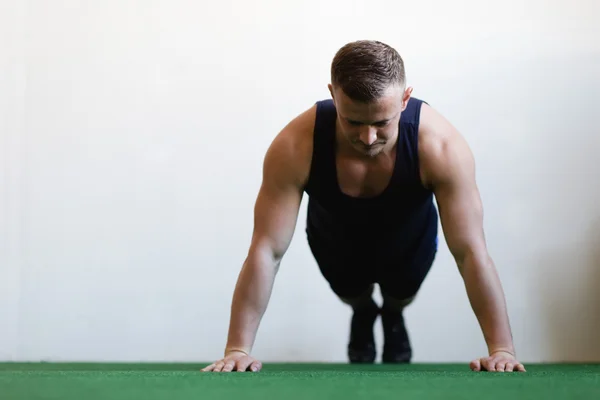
(359, 178)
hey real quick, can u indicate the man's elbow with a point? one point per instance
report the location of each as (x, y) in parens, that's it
(471, 257)
(263, 256)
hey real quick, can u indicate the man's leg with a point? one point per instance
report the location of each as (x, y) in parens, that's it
(361, 347)
(397, 348)
(353, 284)
(399, 286)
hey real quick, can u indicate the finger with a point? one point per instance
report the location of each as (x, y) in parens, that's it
(219, 366)
(208, 368)
(509, 367)
(243, 364)
(500, 366)
(520, 367)
(256, 366)
(229, 365)
(489, 364)
(475, 365)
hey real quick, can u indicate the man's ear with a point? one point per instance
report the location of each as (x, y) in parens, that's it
(330, 87)
(407, 93)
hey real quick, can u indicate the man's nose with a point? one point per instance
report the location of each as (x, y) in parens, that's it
(368, 135)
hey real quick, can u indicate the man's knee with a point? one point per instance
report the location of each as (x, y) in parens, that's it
(364, 298)
(399, 287)
(396, 303)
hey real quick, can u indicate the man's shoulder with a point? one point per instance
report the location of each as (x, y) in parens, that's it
(290, 152)
(435, 131)
(441, 146)
(295, 140)
(301, 127)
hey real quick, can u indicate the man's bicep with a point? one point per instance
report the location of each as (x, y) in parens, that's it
(461, 214)
(448, 167)
(278, 201)
(275, 217)
(285, 171)
(459, 200)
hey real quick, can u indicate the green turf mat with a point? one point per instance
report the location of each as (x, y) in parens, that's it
(48, 381)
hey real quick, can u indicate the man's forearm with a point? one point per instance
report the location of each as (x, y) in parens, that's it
(250, 299)
(488, 302)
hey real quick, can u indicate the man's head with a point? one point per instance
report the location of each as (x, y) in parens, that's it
(368, 86)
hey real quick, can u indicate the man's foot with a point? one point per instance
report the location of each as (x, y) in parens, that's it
(397, 347)
(361, 348)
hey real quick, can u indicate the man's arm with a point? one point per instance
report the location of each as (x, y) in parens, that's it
(449, 169)
(275, 216)
(285, 171)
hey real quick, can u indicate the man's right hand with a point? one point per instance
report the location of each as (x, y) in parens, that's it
(235, 361)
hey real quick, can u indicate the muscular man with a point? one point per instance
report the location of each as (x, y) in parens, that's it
(370, 160)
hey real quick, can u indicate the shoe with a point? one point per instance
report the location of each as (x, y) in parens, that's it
(361, 348)
(396, 349)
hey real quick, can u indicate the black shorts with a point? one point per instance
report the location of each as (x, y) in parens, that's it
(350, 274)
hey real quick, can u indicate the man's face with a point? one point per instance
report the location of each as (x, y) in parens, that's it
(370, 127)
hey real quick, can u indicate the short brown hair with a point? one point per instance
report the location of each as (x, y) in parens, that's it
(364, 69)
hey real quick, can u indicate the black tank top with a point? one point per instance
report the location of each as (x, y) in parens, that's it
(402, 218)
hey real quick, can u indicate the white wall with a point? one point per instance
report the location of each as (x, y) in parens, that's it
(133, 133)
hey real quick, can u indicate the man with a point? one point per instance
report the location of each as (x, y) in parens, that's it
(370, 159)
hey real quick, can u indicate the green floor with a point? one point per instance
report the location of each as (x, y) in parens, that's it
(294, 381)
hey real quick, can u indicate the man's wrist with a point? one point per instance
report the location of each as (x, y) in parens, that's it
(504, 349)
(229, 350)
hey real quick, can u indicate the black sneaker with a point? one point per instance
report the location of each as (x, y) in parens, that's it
(396, 349)
(361, 348)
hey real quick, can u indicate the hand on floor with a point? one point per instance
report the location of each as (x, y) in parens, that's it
(499, 361)
(235, 361)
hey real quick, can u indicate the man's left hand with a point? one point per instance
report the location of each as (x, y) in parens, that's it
(499, 361)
